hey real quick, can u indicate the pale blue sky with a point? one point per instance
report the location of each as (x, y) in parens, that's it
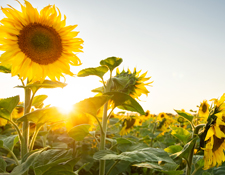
(180, 44)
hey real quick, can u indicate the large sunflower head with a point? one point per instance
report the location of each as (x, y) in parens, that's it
(36, 44)
(204, 109)
(215, 143)
(135, 83)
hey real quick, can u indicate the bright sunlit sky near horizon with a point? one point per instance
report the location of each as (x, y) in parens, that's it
(180, 44)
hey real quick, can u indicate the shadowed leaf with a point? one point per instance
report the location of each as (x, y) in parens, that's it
(111, 62)
(7, 105)
(79, 132)
(98, 71)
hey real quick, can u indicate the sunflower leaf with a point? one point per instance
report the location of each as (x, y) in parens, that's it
(38, 100)
(79, 132)
(181, 133)
(7, 105)
(91, 105)
(42, 116)
(9, 142)
(98, 71)
(185, 115)
(126, 102)
(111, 62)
(3, 165)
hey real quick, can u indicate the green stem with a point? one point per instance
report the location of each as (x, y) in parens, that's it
(111, 168)
(25, 128)
(34, 138)
(103, 138)
(190, 157)
(13, 155)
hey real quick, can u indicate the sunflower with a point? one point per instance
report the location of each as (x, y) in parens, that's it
(38, 44)
(204, 109)
(215, 143)
(135, 83)
(127, 125)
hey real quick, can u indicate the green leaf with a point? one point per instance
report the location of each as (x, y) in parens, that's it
(185, 115)
(47, 159)
(91, 105)
(9, 141)
(2, 165)
(59, 170)
(140, 155)
(79, 132)
(98, 71)
(111, 62)
(181, 133)
(22, 168)
(42, 116)
(5, 69)
(45, 84)
(38, 100)
(126, 102)
(7, 105)
(184, 153)
(173, 149)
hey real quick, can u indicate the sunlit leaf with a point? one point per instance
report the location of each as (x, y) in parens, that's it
(141, 155)
(185, 115)
(91, 105)
(5, 69)
(42, 116)
(173, 149)
(7, 105)
(45, 84)
(38, 100)
(98, 71)
(111, 62)
(181, 133)
(125, 102)
(79, 132)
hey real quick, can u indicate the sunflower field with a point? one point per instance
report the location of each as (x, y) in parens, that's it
(38, 139)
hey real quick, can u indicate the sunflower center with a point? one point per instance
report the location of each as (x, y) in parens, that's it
(41, 43)
(217, 143)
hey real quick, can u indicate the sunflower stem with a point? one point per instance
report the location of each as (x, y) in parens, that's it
(25, 128)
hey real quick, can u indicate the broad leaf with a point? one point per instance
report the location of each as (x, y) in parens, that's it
(3, 165)
(47, 159)
(185, 115)
(126, 102)
(59, 170)
(91, 105)
(173, 149)
(111, 62)
(79, 132)
(9, 142)
(42, 116)
(98, 71)
(45, 84)
(181, 133)
(38, 100)
(141, 155)
(7, 105)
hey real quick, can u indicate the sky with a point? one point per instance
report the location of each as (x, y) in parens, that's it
(179, 43)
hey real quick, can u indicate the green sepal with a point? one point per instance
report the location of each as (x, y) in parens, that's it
(79, 132)
(38, 101)
(98, 71)
(125, 102)
(111, 62)
(91, 105)
(5, 69)
(185, 115)
(7, 105)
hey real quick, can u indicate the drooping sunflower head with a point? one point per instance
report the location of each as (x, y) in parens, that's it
(127, 125)
(38, 44)
(133, 83)
(204, 109)
(215, 143)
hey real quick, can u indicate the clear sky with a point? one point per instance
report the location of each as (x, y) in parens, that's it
(180, 44)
